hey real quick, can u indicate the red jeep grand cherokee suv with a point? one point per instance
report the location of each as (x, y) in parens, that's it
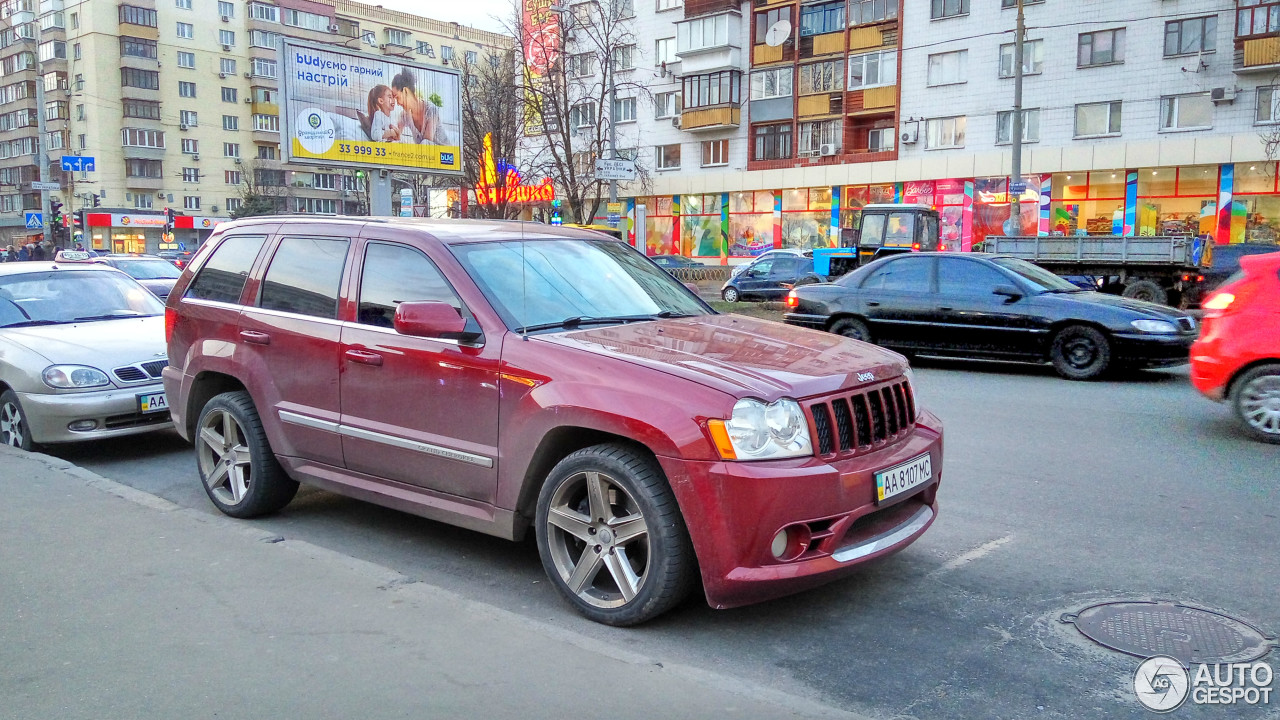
(497, 375)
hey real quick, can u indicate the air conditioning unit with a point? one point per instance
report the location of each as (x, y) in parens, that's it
(226, 18)
(248, 75)
(222, 75)
(333, 28)
(182, 127)
(239, 161)
(195, 156)
(828, 149)
(383, 46)
(248, 101)
(226, 48)
(160, 195)
(910, 133)
(675, 122)
(1223, 95)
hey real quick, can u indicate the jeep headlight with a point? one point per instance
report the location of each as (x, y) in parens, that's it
(74, 376)
(1159, 327)
(760, 431)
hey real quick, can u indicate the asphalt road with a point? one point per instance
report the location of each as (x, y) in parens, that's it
(1055, 495)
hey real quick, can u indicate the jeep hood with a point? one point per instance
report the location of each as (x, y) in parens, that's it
(742, 356)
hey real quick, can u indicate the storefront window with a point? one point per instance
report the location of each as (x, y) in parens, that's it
(803, 227)
(659, 227)
(1258, 197)
(1087, 203)
(992, 214)
(701, 233)
(1177, 201)
(127, 242)
(750, 223)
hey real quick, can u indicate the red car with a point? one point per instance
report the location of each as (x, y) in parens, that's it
(503, 376)
(1237, 357)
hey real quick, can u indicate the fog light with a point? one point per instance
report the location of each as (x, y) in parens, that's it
(779, 546)
(791, 542)
(82, 425)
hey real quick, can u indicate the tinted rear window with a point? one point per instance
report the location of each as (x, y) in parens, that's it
(304, 276)
(223, 277)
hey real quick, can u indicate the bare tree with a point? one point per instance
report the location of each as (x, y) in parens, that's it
(263, 190)
(492, 109)
(567, 99)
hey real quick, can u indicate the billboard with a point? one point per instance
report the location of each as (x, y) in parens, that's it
(344, 108)
(540, 30)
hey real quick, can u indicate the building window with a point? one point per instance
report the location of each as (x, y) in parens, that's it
(821, 18)
(186, 59)
(191, 202)
(669, 4)
(137, 47)
(230, 95)
(582, 65)
(305, 20)
(316, 206)
(185, 30)
(266, 152)
(230, 122)
(190, 174)
(772, 142)
(446, 53)
(470, 57)
(75, 21)
(862, 12)
(1014, 3)
(188, 118)
(582, 115)
(137, 16)
(821, 77)
(718, 88)
(624, 110)
(1186, 112)
(232, 177)
(231, 150)
(948, 8)
(258, 11)
(1032, 58)
(190, 146)
(226, 9)
(268, 123)
(704, 32)
(77, 54)
(1260, 18)
(1030, 126)
(666, 104)
(324, 181)
(137, 137)
(142, 202)
(769, 18)
(233, 204)
(142, 109)
(944, 133)
(877, 69)
(370, 38)
(56, 110)
(80, 112)
(947, 68)
(227, 66)
(264, 95)
(227, 38)
(624, 58)
(145, 79)
(264, 39)
(52, 49)
(1187, 37)
(1093, 119)
(186, 89)
(620, 9)
(1101, 48)
(774, 83)
(881, 139)
(715, 153)
(143, 168)
(664, 51)
(264, 68)
(1268, 110)
(813, 135)
(667, 157)
(424, 48)
(397, 37)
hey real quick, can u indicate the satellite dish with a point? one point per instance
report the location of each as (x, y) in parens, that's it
(778, 33)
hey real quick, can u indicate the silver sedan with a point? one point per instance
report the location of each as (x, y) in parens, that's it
(81, 351)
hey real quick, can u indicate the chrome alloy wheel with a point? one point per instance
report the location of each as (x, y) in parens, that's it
(11, 425)
(224, 457)
(594, 524)
(1260, 404)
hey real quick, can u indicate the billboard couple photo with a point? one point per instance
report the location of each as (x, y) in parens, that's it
(398, 114)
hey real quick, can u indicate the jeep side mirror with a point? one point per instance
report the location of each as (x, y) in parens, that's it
(437, 320)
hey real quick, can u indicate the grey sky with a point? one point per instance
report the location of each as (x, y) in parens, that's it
(483, 14)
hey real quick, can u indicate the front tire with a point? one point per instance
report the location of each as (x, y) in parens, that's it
(730, 294)
(239, 471)
(611, 536)
(15, 431)
(1256, 401)
(852, 328)
(1080, 352)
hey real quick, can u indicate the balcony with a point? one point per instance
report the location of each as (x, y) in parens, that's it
(873, 37)
(872, 101)
(812, 106)
(144, 183)
(765, 54)
(703, 45)
(825, 44)
(1257, 55)
(721, 117)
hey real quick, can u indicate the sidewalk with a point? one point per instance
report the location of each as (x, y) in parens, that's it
(118, 604)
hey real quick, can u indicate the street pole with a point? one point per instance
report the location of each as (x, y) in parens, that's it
(1015, 209)
(613, 130)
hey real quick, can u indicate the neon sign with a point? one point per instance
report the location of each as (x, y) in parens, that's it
(512, 190)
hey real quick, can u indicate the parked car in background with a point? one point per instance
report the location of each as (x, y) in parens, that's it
(81, 350)
(769, 277)
(650, 443)
(179, 258)
(151, 271)
(790, 252)
(1237, 358)
(987, 306)
(671, 262)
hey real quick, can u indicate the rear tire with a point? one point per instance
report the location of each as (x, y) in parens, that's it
(237, 467)
(852, 328)
(1255, 398)
(15, 431)
(1080, 352)
(1147, 290)
(730, 294)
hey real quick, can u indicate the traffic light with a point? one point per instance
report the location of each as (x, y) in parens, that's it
(57, 223)
(97, 200)
(77, 221)
(555, 213)
(168, 221)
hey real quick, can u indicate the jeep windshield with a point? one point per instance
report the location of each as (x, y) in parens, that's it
(564, 284)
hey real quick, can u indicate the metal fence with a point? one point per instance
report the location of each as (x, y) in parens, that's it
(711, 273)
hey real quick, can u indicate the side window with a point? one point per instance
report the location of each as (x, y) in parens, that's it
(223, 277)
(905, 275)
(957, 276)
(394, 274)
(304, 276)
(901, 228)
(760, 269)
(872, 230)
(784, 267)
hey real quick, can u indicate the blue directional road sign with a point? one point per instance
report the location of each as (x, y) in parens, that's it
(35, 221)
(182, 247)
(77, 163)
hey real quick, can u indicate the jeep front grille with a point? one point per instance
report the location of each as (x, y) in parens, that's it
(862, 420)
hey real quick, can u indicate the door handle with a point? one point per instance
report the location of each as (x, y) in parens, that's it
(364, 357)
(872, 303)
(255, 337)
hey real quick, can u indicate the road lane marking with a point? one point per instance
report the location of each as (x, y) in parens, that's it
(965, 558)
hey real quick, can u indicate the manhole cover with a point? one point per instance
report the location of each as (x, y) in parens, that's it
(1189, 634)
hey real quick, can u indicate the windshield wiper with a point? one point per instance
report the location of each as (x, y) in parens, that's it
(30, 323)
(579, 320)
(1065, 290)
(117, 315)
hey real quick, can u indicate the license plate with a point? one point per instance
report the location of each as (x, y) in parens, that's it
(152, 402)
(900, 478)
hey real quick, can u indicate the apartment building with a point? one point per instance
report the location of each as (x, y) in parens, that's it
(178, 102)
(1141, 118)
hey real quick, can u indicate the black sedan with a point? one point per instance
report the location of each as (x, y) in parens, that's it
(151, 271)
(769, 277)
(986, 306)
